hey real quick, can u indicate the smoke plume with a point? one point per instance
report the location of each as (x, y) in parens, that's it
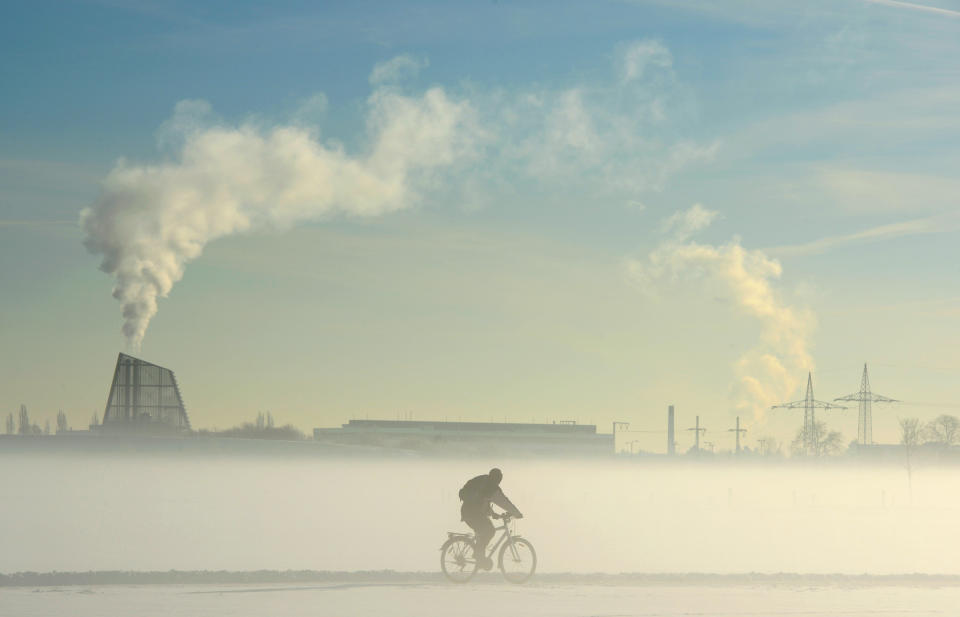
(151, 220)
(771, 371)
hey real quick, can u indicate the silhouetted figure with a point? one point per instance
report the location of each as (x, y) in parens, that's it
(477, 494)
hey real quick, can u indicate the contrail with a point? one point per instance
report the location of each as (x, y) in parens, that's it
(917, 7)
(928, 225)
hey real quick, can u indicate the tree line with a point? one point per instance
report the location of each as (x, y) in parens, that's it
(943, 430)
(22, 425)
(261, 428)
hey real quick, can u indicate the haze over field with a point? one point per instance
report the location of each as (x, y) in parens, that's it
(123, 512)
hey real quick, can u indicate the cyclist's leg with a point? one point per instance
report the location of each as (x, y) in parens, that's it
(483, 529)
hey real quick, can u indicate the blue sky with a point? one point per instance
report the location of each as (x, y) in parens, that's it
(533, 249)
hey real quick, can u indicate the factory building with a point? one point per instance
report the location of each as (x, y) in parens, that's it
(471, 437)
(144, 398)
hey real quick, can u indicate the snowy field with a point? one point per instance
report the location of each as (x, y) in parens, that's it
(426, 600)
(130, 512)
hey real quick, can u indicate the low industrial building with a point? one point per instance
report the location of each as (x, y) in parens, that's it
(471, 437)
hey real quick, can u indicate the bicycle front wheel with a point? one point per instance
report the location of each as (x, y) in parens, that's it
(457, 560)
(518, 560)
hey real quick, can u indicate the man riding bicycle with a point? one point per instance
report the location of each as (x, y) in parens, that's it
(477, 494)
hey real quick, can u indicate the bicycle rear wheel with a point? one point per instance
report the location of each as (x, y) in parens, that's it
(518, 560)
(457, 560)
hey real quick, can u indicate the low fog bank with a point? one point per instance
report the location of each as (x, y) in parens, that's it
(157, 513)
(390, 577)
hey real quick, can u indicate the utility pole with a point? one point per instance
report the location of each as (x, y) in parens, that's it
(696, 431)
(622, 425)
(864, 397)
(671, 441)
(809, 404)
(737, 430)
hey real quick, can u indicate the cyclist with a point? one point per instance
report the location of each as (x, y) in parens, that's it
(476, 495)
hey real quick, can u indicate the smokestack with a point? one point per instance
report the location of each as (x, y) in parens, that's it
(671, 446)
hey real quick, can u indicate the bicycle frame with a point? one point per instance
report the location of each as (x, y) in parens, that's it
(459, 560)
(493, 546)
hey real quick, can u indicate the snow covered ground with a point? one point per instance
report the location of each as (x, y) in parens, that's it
(425, 600)
(127, 512)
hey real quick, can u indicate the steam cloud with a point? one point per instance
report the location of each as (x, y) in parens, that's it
(150, 220)
(771, 371)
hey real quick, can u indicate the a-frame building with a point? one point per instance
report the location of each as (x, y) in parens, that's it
(144, 397)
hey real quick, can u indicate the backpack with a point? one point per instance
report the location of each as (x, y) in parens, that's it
(471, 490)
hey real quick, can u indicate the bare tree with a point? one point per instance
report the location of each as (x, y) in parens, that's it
(62, 422)
(95, 420)
(46, 427)
(943, 430)
(769, 446)
(910, 439)
(261, 421)
(24, 420)
(825, 442)
(269, 420)
(11, 425)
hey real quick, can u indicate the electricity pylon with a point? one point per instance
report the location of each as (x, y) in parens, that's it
(809, 404)
(737, 430)
(697, 430)
(865, 397)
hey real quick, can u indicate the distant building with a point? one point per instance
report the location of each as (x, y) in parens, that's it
(144, 398)
(471, 437)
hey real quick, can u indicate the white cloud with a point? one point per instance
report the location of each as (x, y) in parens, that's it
(311, 110)
(770, 371)
(615, 138)
(396, 69)
(866, 190)
(683, 224)
(886, 120)
(189, 117)
(639, 56)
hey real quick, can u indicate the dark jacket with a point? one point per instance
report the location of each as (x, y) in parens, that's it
(479, 492)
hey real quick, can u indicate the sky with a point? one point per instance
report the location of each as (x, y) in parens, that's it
(506, 211)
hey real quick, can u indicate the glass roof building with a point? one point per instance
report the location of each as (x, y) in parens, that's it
(144, 397)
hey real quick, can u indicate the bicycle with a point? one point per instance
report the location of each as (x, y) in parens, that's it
(517, 560)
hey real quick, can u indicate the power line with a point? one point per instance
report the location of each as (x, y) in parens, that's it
(923, 367)
(922, 404)
(638, 431)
